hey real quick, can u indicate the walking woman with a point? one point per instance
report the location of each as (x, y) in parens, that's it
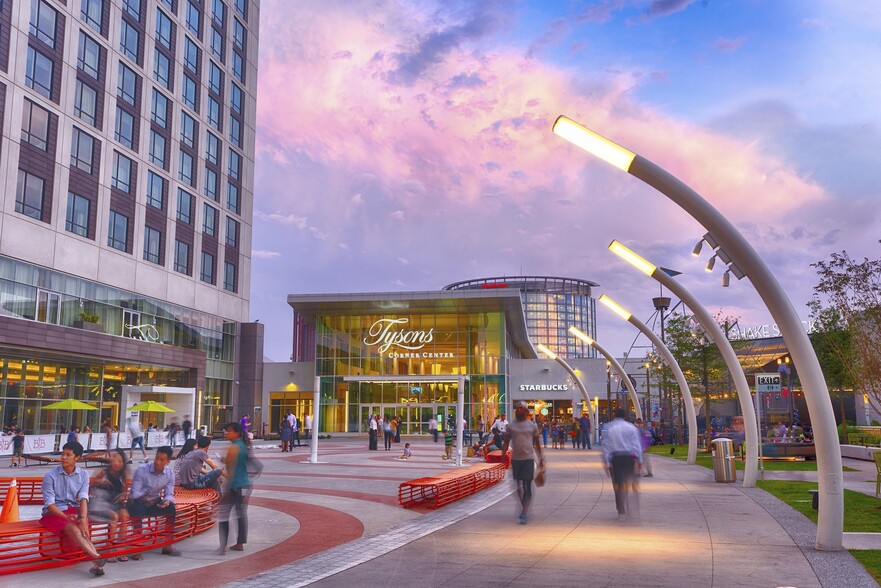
(388, 432)
(238, 489)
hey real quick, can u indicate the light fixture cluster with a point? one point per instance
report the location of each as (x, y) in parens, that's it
(721, 255)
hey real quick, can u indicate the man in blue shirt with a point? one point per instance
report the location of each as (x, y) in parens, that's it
(66, 504)
(622, 455)
(152, 493)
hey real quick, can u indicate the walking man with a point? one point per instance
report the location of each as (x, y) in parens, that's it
(137, 435)
(522, 436)
(307, 426)
(585, 431)
(622, 454)
(187, 426)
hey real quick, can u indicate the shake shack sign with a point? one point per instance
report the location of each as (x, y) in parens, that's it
(392, 338)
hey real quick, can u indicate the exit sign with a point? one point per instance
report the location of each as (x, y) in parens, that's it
(767, 382)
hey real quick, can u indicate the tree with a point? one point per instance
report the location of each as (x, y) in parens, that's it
(846, 307)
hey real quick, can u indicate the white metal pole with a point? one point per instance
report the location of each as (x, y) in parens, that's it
(624, 378)
(711, 328)
(690, 415)
(460, 412)
(316, 401)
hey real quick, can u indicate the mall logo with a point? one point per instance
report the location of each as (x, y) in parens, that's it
(384, 333)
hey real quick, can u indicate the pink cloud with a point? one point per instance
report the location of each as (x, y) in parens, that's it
(728, 45)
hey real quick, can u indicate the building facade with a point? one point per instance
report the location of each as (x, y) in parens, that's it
(552, 305)
(403, 353)
(127, 156)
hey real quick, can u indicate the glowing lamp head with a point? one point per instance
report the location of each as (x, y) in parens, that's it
(632, 258)
(546, 351)
(615, 307)
(578, 334)
(594, 143)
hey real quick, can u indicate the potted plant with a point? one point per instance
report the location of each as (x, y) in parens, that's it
(89, 322)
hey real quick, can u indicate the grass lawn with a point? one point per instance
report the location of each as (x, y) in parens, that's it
(706, 460)
(862, 514)
(871, 560)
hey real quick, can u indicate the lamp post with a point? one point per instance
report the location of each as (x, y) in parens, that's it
(671, 362)
(746, 262)
(612, 362)
(783, 367)
(568, 369)
(608, 391)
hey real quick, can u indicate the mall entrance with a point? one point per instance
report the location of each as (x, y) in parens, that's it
(414, 417)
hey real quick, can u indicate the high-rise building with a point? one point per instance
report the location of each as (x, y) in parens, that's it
(127, 160)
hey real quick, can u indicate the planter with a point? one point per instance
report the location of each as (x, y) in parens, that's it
(86, 326)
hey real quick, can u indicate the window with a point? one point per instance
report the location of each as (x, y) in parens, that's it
(240, 6)
(238, 34)
(217, 12)
(191, 55)
(181, 257)
(91, 11)
(122, 172)
(209, 222)
(159, 113)
(236, 98)
(211, 184)
(152, 243)
(184, 206)
(232, 232)
(127, 84)
(133, 7)
(161, 69)
(232, 197)
(207, 270)
(238, 66)
(217, 44)
(214, 113)
(89, 56)
(193, 17)
(155, 190)
(128, 40)
(215, 78)
(35, 125)
(29, 195)
(38, 76)
(157, 149)
(189, 92)
(43, 22)
(212, 149)
(168, 4)
(81, 149)
(125, 125)
(117, 232)
(163, 29)
(77, 215)
(85, 102)
(187, 130)
(186, 168)
(235, 164)
(235, 131)
(229, 276)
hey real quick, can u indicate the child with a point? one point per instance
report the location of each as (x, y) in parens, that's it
(407, 453)
(17, 448)
(448, 444)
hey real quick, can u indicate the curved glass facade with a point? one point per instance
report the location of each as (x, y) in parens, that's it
(551, 306)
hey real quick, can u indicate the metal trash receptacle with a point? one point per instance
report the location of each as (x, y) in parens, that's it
(723, 460)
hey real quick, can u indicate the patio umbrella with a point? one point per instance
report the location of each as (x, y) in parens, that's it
(150, 406)
(70, 404)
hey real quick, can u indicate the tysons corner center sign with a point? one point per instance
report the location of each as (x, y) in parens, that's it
(390, 339)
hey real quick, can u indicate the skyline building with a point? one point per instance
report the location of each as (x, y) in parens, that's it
(127, 156)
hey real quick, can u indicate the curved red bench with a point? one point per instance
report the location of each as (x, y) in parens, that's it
(436, 491)
(28, 546)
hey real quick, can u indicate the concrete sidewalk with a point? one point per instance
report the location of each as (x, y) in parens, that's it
(338, 524)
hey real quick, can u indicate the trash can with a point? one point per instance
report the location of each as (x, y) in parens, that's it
(723, 460)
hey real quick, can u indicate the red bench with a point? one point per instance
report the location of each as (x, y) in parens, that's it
(436, 491)
(28, 546)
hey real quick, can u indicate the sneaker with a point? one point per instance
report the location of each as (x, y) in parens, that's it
(522, 519)
(648, 476)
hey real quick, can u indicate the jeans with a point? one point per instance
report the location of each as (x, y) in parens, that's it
(623, 481)
(208, 480)
(139, 510)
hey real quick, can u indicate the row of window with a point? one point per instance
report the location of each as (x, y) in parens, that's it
(92, 10)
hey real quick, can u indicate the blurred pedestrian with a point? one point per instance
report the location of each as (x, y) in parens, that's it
(238, 489)
(522, 436)
(622, 454)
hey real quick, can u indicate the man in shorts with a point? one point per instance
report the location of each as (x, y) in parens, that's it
(66, 504)
(17, 448)
(522, 436)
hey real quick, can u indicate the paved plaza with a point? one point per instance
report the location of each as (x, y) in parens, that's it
(337, 523)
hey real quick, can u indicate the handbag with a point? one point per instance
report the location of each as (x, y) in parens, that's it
(540, 476)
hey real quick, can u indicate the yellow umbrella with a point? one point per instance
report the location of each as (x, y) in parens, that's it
(70, 404)
(150, 406)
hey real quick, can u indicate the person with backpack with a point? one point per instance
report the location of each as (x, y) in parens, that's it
(238, 489)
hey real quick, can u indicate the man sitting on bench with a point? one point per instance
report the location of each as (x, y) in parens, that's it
(152, 494)
(66, 504)
(192, 468)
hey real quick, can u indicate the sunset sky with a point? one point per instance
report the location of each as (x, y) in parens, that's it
(406, 145)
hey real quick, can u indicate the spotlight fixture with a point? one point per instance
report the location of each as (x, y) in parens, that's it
(711, 263)
(697, 248)
(726, 278)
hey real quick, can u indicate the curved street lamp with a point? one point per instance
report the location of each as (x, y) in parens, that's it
(618, 367)
(690, 415)
(746, 262)
(568, 369)
(711, 328)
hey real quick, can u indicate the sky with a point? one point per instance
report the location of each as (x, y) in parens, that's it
(406, 145)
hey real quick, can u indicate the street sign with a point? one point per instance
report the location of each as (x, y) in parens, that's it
(767, 382)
